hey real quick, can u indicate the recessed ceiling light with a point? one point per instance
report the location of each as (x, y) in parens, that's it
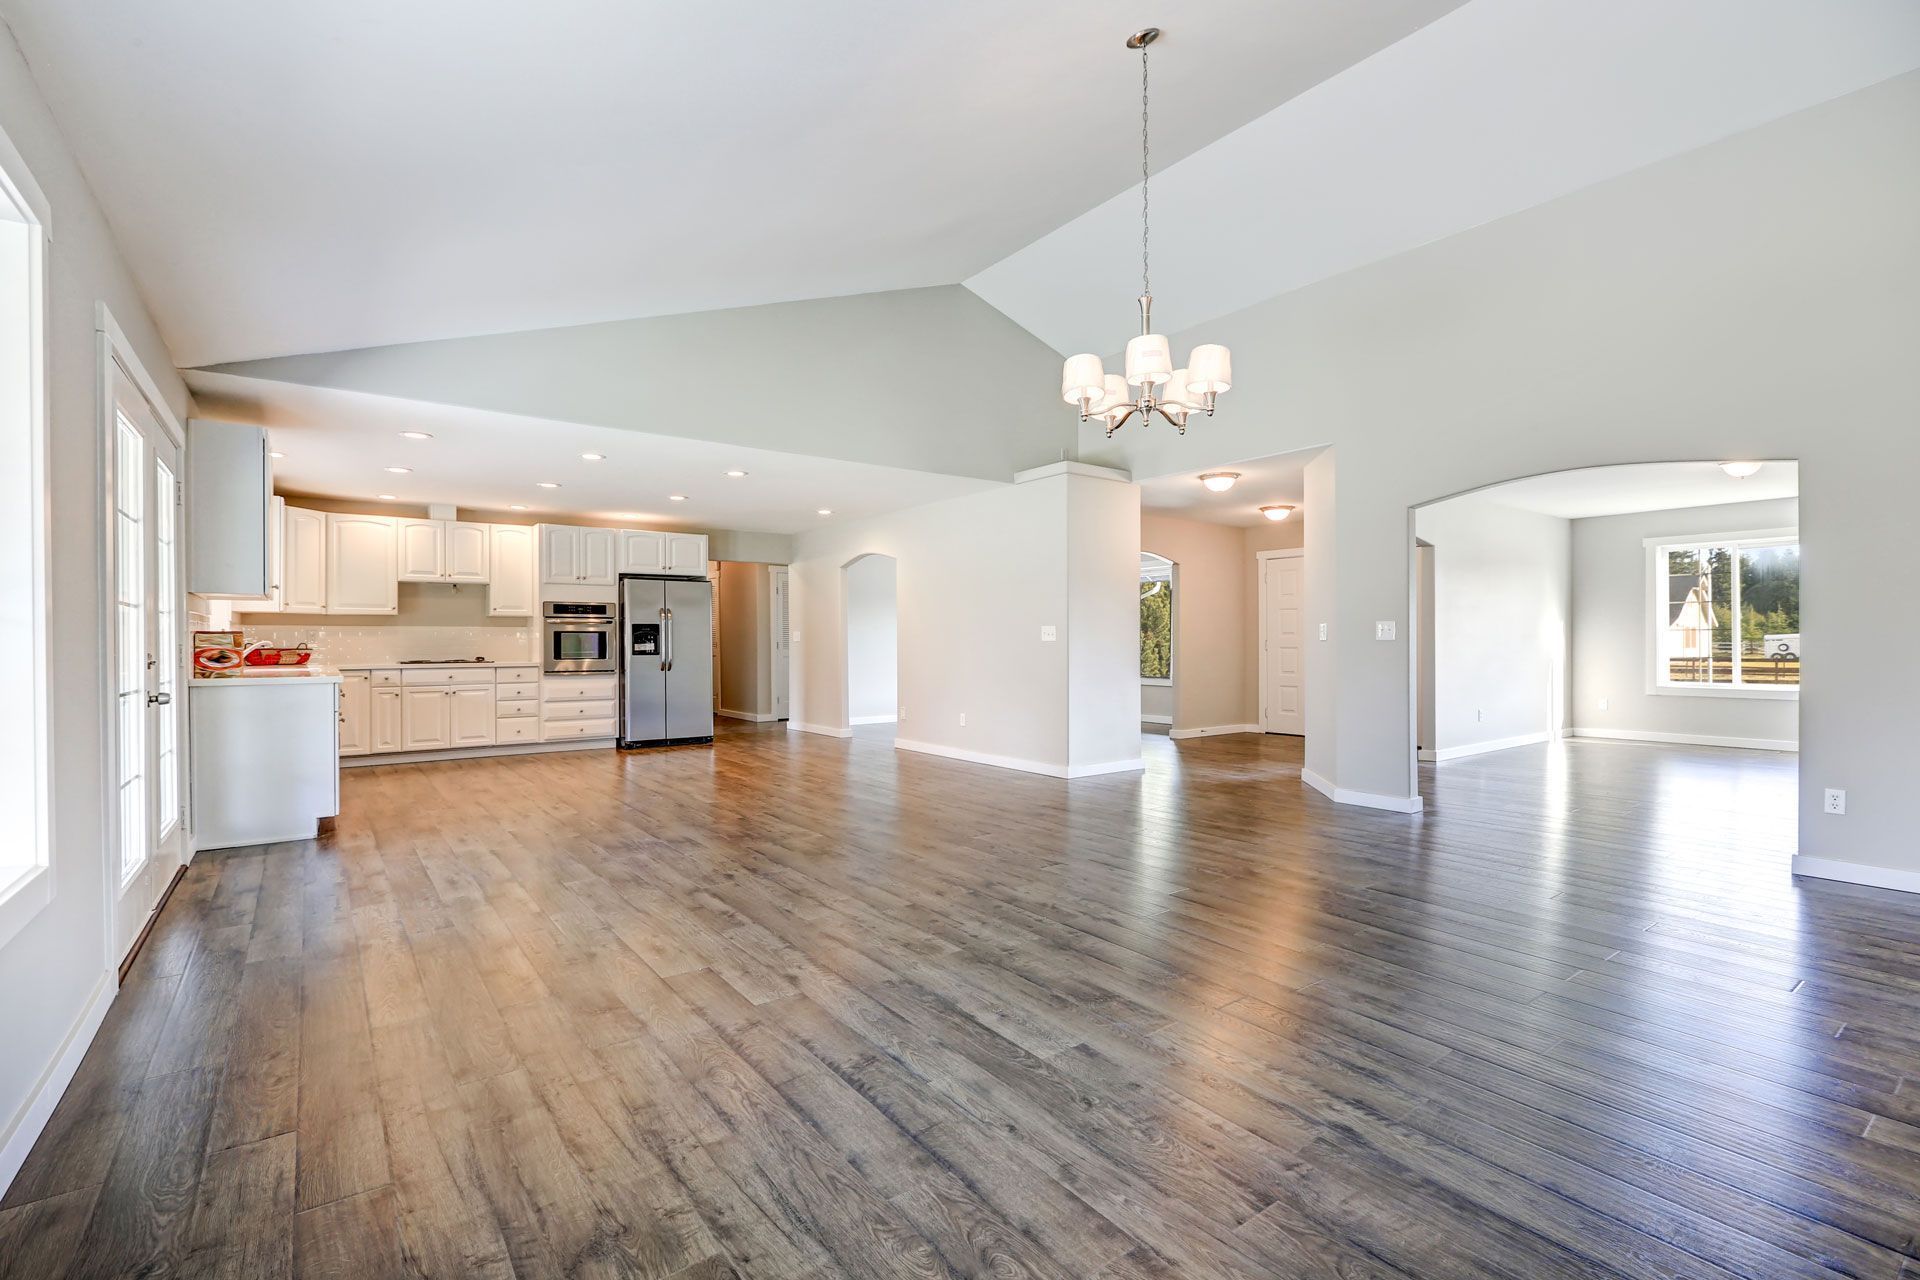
(400, 471)
(676, 497)
(387, 497)
(1276, 513)
(1739, 470)
(548, 484)
(735, 474)
(593, 457)
(1219, 481)
(275, 453)
(824, 511)
(518, 506)
(416, 435)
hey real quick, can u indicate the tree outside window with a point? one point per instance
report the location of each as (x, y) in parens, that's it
(1156, 617)
(1728, 613)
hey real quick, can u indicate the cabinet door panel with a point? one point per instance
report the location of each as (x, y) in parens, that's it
(597, 557)
(471, 716)
(466, 556)
(426, 718)
(422, 552)
(642, 552)
(687, 553)
(559, 553)
(355, 713)
(510, 581)
(388, 732)
(362, 568)
(303, 561)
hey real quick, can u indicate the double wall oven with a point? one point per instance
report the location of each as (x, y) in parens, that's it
(579, 638)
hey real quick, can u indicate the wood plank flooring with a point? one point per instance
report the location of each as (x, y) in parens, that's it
(795, 1008)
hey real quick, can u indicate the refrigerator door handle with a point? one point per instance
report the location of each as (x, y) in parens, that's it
(666, 632)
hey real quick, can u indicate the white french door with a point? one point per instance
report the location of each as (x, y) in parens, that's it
(1282, 648)
(148, 714)
(778, 584)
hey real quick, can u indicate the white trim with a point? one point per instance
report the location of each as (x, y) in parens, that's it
(1260, 559)
(757, 717)
(1131, 765)
(1147, 719)
(1690, 739)
(872, 719)
(1856, 873)
(1427, 755)
(1087, 469)
(1215, 730)
(17, 182)
(470, 753)
(31, 1120)
(796, 726)
(1156, 683)
(1482, 748)
(1364, 799)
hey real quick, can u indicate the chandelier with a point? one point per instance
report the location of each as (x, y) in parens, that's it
(1174, 394)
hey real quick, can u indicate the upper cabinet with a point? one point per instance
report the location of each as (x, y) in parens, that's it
(575, 556)
(442, 550)
(276, 557)
(229, 504)
(362, 564)
(597, 557)
(642, 552)
(687, 553)
(512, 589)
(303, 561)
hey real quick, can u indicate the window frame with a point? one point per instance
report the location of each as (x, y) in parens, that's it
(1656, 610)
(1173, 639)
(27, 880)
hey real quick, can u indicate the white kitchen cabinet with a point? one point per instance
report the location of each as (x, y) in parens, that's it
(471, 715)
(386, 725)
(422, 549)
(576, 556)
(362, 564)
(468, 552)
(687, 553)
(245, 795)
(597, 557)
(642, 551)
(511, 587)
(426, 718)
(559, 553)
(356, 715)
(229, 496)
(276, 557)
(303, 561)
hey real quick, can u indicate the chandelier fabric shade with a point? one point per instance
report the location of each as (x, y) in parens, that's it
(1173, 393)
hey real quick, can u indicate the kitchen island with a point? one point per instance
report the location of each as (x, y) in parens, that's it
(265, 756)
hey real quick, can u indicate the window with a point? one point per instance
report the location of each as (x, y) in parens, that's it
(25, 876)
(1725, 614)
(1156, 618)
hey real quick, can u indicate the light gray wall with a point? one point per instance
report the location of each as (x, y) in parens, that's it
(874, 378)
(1754, 298)
(1501, 604)
(1610, 602)
(52, 969)
(1157, 700)
(872, 623)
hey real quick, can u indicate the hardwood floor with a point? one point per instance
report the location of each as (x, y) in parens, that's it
(801, 1007)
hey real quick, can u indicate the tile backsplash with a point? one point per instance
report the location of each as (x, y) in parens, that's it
(341, 646)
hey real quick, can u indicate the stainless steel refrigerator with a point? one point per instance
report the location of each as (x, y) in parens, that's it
(666, 661)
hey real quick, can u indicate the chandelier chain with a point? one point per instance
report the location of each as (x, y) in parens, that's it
(1146, 284)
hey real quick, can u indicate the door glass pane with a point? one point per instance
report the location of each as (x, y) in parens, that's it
(166, 646)
(130, 680)
(1770, 615)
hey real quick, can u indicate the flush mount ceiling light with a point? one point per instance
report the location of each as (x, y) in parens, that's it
(1174, 394)
(400, 471)
(824, 511)
(1740, 470)
(676, 497)
(1276, 513)
(416, 435)
(593, 457)
(546, 484)
(735, 474)
(1219, 481)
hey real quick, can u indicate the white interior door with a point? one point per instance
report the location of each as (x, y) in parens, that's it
(778, 583)
(150, 842)
(1282, 600)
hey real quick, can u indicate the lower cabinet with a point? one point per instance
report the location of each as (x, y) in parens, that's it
(355, 716)
(388, 728)
(426, 719)
(472, 715)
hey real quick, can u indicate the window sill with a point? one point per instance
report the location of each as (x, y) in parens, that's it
(1163, 684)
(1727, 691)
(24, 893)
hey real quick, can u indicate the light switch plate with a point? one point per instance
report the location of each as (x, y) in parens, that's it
(1048, 634)
(1383, 631)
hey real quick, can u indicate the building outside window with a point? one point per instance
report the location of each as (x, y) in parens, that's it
(1726, 614)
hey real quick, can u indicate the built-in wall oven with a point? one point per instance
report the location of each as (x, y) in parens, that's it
(579, 638)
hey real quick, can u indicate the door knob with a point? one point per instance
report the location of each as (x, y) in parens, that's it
(159, 699)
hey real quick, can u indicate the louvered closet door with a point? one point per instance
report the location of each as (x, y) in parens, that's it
(779, 590)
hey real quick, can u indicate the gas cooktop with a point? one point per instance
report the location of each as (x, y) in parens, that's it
(438, 662)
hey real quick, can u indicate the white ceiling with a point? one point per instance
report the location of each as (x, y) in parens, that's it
(1497, 107)
(337, 443)
(1263, 481)
(291, 178)
(1649, 486)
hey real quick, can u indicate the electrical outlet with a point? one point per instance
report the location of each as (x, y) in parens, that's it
(903, 711)
(1605, 703)
(1323, 631)
(1048, 634)
(1383, 631)
(963, 719)
(1836, 800)
(1479, 716)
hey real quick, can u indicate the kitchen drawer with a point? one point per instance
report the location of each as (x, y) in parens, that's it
(515, 707)
(447, 675)
(579, 688)
(578, 729)
(524, 729)
(528, 675)
(597, 709)
(386, 675)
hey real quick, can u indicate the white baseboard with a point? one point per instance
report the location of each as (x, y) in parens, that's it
(1214, 730)
(1856, 873)
(1364, 799)
(872, 719)
(469, 753)
(1147, 719)
(1023, 765)
(1690, 739)
(32, 1117)
(1427, 754)
(795, 726)
(757, 717)
(1482, 748)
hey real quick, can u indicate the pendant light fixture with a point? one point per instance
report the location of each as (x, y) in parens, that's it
(1174, 394)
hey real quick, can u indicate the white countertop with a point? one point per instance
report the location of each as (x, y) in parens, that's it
(429, 666)
(267, 675)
